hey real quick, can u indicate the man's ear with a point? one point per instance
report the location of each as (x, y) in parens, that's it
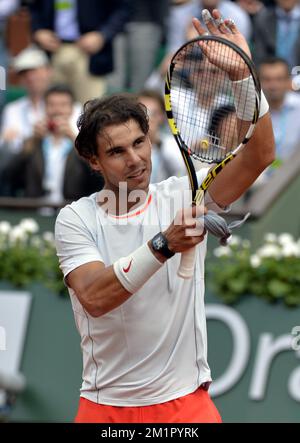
(95, 163)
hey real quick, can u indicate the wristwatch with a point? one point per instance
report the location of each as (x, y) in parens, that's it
(159, 243)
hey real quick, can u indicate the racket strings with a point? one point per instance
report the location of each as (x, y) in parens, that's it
(205, 105)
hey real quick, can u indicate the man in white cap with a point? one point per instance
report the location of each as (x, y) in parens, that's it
(20, 116)
(25, 116)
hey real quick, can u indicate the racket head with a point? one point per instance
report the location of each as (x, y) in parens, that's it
(201, 104)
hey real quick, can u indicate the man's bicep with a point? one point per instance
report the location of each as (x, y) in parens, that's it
(80, 278)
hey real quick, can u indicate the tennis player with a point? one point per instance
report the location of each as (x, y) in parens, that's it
(143, 329)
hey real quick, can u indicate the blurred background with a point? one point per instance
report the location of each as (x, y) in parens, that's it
(54, 56)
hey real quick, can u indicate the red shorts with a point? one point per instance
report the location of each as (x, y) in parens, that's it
(192, 408)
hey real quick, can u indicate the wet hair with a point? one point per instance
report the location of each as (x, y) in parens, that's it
(59, 89)
(100, 113)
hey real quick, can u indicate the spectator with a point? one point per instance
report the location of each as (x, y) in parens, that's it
(277, 32)
(165, 156)
(20, 117)
(7, 7)
(223, 129)
(252, 7)
(284, 106)
(136, 50)
(49, 166)
(79, 36)
(24, 117)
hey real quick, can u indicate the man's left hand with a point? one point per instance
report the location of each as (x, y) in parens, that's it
(227, 30)
(91, 42)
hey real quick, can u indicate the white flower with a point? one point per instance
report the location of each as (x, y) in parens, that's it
(29, 225)
(48, 237)
(5, 227)
(291, 250)
(36, 241)
(255, 261)
(269, 250)
(222, 251)
(17, 233)
(246, 244)
(286, 239)
(235, 240)
(270, 238)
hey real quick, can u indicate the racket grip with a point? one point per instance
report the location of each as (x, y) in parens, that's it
(187, 264)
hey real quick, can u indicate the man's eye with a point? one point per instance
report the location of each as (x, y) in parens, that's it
(115, 152)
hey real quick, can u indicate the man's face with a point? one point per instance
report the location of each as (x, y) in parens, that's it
(210, 75)
(156, 116)
(58, 105)
(124, 155)
(37, 80)
(227, 132)
(275, 81)
(287, 5)
(209, 4)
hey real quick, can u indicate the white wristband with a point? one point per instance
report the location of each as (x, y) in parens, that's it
(244, 98)
(136, 269)
(264, 105)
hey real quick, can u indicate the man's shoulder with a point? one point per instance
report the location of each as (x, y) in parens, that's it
(266, 13)
(292, 99)
(16, 105)
(83, 209)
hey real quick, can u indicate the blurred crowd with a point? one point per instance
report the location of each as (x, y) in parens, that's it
(81, 49)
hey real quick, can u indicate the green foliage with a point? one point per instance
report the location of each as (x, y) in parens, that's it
(272, 272)
(27, 257)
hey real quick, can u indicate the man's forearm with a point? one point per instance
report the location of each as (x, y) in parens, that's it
(241, 172)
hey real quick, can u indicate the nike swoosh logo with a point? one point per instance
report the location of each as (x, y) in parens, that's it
(129, 266)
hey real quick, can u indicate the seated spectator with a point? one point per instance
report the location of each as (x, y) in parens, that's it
(284, 108)
(79, 34)
(7, 7)
(277, 32)
(166, 158)
(48, 165)
(20, 117)
(24, 116)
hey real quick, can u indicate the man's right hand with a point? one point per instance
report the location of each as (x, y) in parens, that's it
(187, 229)
(40, 129)
(47, 39)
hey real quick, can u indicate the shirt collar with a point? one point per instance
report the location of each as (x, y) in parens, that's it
(293, 14)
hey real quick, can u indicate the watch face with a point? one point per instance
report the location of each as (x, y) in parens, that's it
(159, 242)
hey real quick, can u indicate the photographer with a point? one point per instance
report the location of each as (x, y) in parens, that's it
(48, 165)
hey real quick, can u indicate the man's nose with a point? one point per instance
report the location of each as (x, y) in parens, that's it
(132, 157)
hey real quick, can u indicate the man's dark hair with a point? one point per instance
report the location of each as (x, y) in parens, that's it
(217, 117)
(59, 89)
(273, 60)
(100, 113)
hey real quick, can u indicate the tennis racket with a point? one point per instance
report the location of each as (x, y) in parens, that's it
(212, 101)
